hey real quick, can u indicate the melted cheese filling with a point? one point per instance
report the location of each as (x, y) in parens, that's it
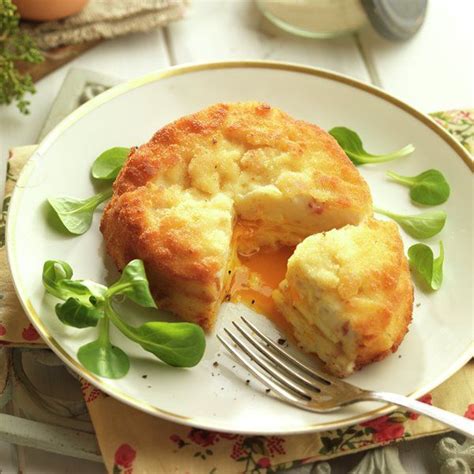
(254, 278)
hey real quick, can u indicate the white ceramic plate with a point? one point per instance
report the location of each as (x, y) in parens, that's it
(218, 398)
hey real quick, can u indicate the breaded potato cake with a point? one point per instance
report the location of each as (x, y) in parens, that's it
(348, 294)
(184, 240)
(179, 197)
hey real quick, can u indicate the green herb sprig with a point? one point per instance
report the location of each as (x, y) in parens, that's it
(15, 45)
(351, 143)
(421, 226)
(76, 214)
(429, 188)
(89, 304)
(428, 268)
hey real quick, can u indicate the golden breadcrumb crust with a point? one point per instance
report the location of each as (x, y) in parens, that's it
(348, 294)
(178, 197)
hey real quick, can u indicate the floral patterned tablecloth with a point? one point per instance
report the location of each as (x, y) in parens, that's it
(132, 441)
(460, 123)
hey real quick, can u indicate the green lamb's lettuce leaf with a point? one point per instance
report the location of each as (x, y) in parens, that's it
(57, 281)
(88, 304)
(75, 214)
(102, 358)
(176, 344)
(428, 268)
(421, 226)
(55, 271)
(351, 143)
(133, 283)
(109, 163)
(83, 300)
(78, 314)
(429, 188)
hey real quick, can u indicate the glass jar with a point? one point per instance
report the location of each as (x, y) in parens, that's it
(315, 18)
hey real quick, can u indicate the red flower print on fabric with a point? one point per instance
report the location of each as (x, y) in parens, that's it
(389, 432)
(3, 330)
(470, 411)
(275, 445)
(264, 463)
(250, 448)
(29, 333)
(89, 392)
(384, 429)
(238, 450)
(94, 394)
(428, 399)
(202, 437)
(125, 455)
(376, 423)
(178, 441)
(254, 452)
(85, 385)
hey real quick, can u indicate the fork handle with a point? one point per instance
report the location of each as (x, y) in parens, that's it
(458, 423)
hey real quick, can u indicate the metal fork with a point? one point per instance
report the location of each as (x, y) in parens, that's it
(305, 387)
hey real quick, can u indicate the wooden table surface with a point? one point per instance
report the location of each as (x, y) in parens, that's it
(432, 71)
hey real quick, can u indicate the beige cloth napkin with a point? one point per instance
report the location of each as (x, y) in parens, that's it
(106, 19)
(132, 441)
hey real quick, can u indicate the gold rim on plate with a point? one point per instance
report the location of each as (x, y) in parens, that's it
(200, 422)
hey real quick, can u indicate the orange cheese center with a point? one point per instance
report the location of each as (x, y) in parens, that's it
(254, 279)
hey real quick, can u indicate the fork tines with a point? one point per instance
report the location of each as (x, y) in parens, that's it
(288, 377)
